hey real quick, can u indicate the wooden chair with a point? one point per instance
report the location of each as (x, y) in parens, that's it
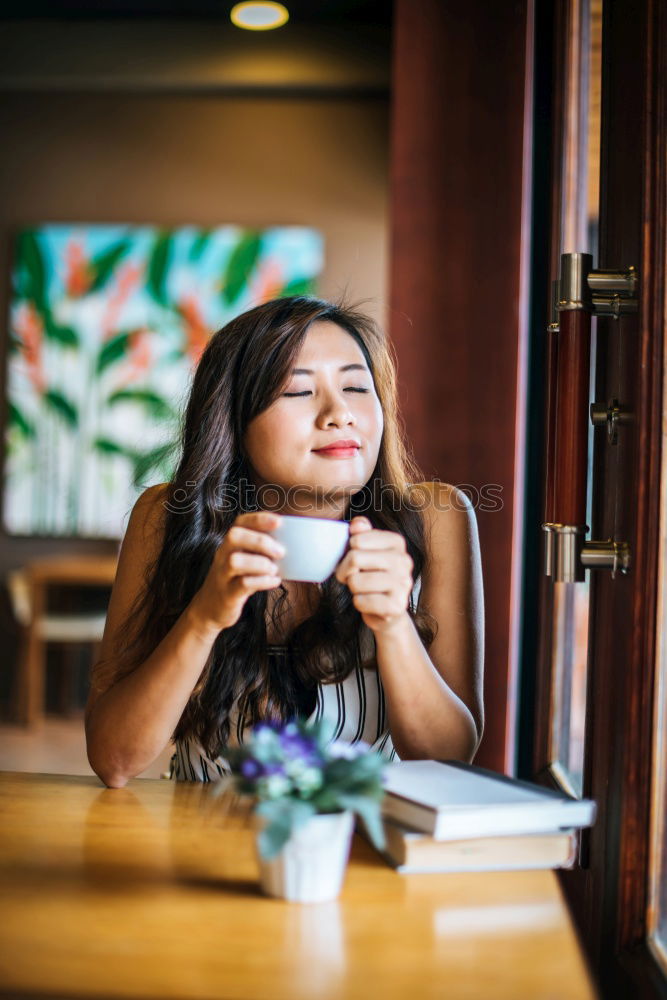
(28, 588)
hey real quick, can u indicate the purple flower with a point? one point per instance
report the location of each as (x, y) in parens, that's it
(296, 745)
(251, 768)
(274, 769)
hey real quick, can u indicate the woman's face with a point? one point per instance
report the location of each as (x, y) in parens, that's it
(320, 403)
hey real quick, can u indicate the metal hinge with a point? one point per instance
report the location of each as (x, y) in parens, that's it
(610, 415)
(567, 554)
(602, 292)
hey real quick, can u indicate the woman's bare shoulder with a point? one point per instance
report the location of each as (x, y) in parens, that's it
(140, 547)
(146, 524)
(452, 591)
(439, 496)
(445, 508)
(151, 506)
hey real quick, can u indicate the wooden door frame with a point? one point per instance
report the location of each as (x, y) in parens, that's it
(607, 891)
(568, 147)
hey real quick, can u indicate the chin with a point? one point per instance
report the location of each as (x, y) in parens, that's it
(335, 485)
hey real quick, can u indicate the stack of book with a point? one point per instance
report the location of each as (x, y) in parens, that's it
(446, 816)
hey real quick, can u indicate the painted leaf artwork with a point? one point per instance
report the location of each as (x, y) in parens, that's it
(106, 326)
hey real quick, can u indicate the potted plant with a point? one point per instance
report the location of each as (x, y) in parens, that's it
(307, 789)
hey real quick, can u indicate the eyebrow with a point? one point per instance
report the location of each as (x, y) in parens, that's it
(345, 368)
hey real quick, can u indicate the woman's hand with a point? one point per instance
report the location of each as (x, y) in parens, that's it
(378, 571)
(243, 564)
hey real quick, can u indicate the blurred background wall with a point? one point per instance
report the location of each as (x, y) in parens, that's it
(192, 121)
(175, 160)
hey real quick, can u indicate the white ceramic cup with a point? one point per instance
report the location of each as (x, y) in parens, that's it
(315, 546)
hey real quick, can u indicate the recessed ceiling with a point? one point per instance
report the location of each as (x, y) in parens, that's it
(301, 11)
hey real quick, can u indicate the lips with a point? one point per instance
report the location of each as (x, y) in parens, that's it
(343, 448)
(343, 445)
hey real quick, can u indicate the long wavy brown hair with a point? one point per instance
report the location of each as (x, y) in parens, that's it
(242, 371)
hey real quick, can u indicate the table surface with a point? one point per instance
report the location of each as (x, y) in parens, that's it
(152, 891)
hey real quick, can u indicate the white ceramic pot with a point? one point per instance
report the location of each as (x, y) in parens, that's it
(311, 866)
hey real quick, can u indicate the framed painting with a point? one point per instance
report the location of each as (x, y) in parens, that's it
(106, 325)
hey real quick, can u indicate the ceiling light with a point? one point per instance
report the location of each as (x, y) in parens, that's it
(259, 16)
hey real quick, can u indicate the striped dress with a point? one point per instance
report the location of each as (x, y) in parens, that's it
(356, 705)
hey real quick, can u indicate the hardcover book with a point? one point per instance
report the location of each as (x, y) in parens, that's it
(452, 800)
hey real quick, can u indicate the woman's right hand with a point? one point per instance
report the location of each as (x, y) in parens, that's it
(243, 563)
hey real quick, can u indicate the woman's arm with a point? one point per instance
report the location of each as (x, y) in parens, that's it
(131, 722)
(435, 698)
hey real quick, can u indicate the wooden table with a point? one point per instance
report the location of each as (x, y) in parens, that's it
(151, 891)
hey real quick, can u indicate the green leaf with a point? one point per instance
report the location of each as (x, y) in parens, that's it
(20, 288)
(157, 458)
(369, 811)
(108, 447)
(155, 405)
(326, 799)
(18, 420)
(299, 286)
(284, 817)
(113, 350)
(15, 345)
(62, 406)
(64, 335)
(359, 770)
(31, 264)
(104, 264)
(199, 245)
(158, 266)
(322, 730)
(240, 265)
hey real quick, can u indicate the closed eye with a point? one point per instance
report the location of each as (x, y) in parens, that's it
(306, 392)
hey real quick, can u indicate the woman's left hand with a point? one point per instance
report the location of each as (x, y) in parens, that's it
(378, 571)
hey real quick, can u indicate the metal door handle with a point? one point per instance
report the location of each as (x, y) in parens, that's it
(582, 292)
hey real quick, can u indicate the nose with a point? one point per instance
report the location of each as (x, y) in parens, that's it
(335, 411)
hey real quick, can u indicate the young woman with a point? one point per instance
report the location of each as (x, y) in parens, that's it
(203, 638)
